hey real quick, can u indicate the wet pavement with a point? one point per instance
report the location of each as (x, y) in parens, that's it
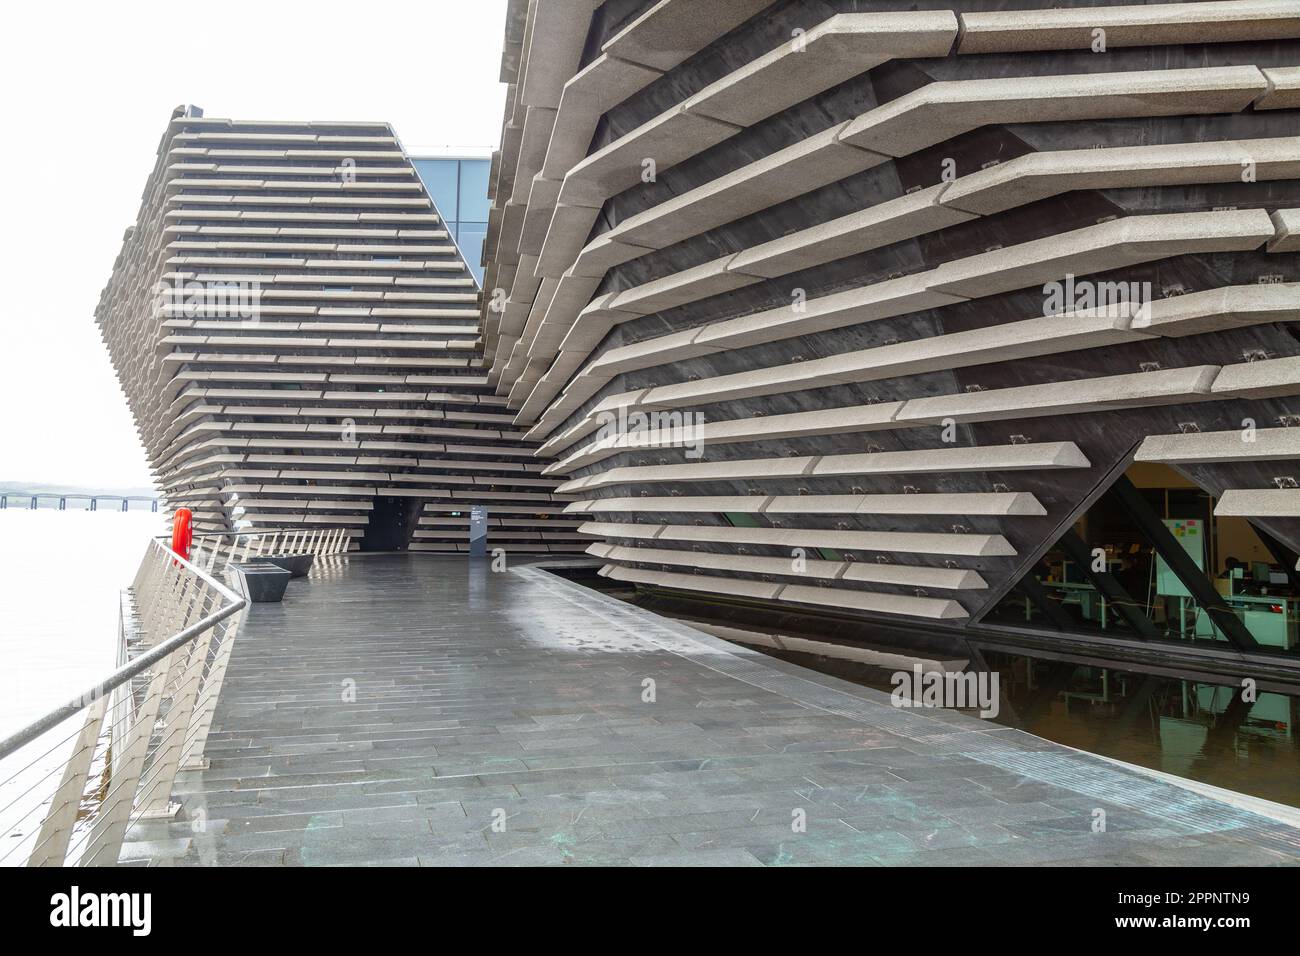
(423, 710)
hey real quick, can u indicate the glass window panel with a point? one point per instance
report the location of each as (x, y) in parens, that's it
(474, 189)
(439, 177)
(470, 238)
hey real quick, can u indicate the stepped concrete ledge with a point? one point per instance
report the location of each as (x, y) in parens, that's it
(1194, 383)
(1098, 248)
(925, 607)
(976, 545)
(918, 503)
(1286, 223)
(1283, 89)
(1263, 444)
(1219, 21)
(1265, 378)
(941, 110)
(520, 692)
(921, 461)
(953, 579)
(840, 47)
(1013, 183)
(1269, 503)
(919, 119)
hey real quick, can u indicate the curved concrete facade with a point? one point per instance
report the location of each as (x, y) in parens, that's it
(846, 307)
(298, 340)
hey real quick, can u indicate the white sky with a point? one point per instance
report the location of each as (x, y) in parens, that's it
(87, 89)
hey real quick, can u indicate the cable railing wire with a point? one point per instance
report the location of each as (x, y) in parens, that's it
(147, 720)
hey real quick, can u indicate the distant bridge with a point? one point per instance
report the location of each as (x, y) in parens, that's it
(33, 499)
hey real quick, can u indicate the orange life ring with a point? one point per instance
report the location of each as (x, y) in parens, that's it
(182, 532)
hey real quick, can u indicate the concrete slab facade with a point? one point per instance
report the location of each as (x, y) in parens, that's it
(882, 246)
(299, 341)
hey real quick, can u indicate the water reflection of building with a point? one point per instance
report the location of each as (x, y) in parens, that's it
(1205, 731)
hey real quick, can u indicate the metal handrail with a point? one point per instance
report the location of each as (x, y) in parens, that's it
(147, 720)
(183, 674)
(319, 542)
(137, 666)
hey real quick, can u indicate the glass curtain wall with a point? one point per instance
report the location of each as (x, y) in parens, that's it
(459, 187)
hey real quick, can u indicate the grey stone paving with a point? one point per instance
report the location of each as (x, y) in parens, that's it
(395, 706)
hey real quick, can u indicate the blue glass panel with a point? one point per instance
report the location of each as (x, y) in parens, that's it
(474, 189)
(470, 238)
(439, 177)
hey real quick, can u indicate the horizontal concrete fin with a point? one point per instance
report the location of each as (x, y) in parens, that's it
(1065, 398)
(1261, 444)
(974, 545)
(1215, 309)
(1225, 21)
(1269, 503)
(825, 597)
(1267, 378)
(942, 110)
(984, 458)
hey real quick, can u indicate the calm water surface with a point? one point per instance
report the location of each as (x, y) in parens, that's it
(60, 575)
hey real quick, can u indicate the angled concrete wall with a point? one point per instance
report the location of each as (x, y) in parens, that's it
(856, 256)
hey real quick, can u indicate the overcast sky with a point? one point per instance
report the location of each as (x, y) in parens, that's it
(87, 92)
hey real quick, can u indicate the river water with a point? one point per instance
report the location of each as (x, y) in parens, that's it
(60, 575)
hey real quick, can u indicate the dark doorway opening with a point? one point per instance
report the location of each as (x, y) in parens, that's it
(392, 520)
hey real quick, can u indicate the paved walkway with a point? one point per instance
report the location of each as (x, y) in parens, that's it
(417, 710)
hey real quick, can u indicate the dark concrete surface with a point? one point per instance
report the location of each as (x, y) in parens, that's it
(394, 707)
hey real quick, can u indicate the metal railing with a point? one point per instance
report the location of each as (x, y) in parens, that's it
(70, 790)
(215, 552)
(69, 798)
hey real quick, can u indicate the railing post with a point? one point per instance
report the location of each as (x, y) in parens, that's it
(56, 831)
(154, 802)
(170, 610)
(201, 721)
(190, 610)
(105, 842)
(162, 587)
(171, 601)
